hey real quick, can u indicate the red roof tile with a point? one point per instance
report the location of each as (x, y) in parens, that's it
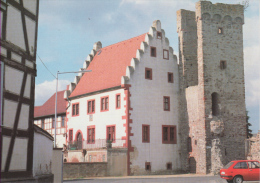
(48, 108)
(109, 66)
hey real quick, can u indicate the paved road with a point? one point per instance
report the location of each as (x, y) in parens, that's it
(155, 179)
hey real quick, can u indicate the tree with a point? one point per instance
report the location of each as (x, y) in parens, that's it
(249, 131)
(245, 4)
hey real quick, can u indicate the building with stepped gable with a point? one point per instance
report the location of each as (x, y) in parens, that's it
(165, 114)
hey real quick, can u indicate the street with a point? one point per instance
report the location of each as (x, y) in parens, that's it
(187, 178)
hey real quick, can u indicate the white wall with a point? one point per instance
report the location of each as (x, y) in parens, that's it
(100, 119)
(147, 103)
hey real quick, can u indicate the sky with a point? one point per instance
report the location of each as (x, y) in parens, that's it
(67, 30)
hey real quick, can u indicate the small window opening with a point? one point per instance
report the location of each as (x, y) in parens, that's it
(195, 142)
(153, 51)
(169, 166)
(148, 166)
(159, 35)
(223, 64)
(170, 77)
(215, 104)
(220, 30)
(148, 73)
(189, 145)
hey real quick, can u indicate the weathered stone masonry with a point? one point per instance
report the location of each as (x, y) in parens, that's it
(211, 54)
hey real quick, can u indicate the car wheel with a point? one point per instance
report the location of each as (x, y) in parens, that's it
(238, 179)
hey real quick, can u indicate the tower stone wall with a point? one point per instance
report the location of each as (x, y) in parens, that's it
(218, 127)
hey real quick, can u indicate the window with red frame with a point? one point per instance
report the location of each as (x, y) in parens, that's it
(170, 77)
(153, 51)
(91, 135)
(75, 109)
(104, 104)
(111, 133)
(166, 54)
(146, 133)
(91, 106)
(118, 101)
(169, 134)
(148, 73)
(70, 135)
(166, 103)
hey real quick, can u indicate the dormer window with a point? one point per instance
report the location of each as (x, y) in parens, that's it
(159, 35)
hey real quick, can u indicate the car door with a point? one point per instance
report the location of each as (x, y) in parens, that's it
(241, 168)
(254, 173)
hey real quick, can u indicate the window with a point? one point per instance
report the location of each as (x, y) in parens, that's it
(189, 145)
(253, 164)
(169, 166)
(169, 134)
(145, 133)
(118, 101)
(166, 103)
(166, 54)
(170, 77)
(220, 30)
(104, 104)
(62, 121)
(148, 166)
(70, 135)
(91, 135)
(223, 64)
(91, 106)
(241, 165)
(159, 35)
(153, 51)
(111, 133)
(75, 109)
(215, 104)
(90, 158)
(148, 73)
(53, 123)
(42, 123)
(103, 158)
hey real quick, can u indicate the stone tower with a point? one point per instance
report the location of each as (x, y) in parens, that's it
(212, 97)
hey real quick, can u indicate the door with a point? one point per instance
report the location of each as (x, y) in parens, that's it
(79, 140)
(192, 163)
(254, 173)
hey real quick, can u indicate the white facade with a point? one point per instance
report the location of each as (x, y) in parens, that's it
(147, 103)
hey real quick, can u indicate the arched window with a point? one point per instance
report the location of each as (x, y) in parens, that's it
(215, 102)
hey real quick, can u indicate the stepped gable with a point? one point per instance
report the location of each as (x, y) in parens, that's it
(48, 108)
(108, 66)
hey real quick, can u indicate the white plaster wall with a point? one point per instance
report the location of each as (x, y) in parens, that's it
(100, 119)
(147, 103)
(42, 154)
(11, 84)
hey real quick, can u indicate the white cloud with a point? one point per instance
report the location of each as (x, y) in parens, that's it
(45, 90)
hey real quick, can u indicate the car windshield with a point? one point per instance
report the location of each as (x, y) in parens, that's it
(228, 165)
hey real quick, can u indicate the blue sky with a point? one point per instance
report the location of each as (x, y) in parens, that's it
(68, 29)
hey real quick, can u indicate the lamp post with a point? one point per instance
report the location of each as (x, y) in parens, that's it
(83, 71)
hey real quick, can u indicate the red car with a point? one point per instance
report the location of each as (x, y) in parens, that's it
(241, 170)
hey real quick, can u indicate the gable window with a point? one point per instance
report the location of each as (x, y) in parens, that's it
(166, 54)
(42, 123)
(170, 77)
(91, 135)
(91, 106)
(104, 104)
(169, 134)
(53, 122)
(118, 101)
(70, 135)
(159, 35)
(223, 64)
(111, 133)
(62, 121)
(148, 73)
(153, 51)
(145, 133)
(166, 103)
(75, 109)
(220, 30)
